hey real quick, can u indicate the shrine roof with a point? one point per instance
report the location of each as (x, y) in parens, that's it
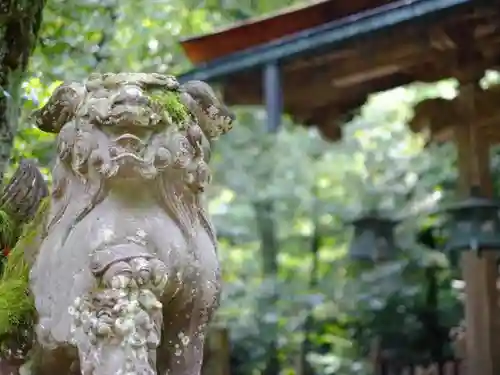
(242, 51)
(330, 65)
(259, 30)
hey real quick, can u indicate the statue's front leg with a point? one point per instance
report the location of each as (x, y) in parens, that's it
(117, 326)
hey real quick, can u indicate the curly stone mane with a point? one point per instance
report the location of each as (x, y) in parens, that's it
(89, 120)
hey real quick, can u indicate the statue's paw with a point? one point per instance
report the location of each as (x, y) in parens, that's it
(141, 270)
(103, 329)
(159, 275)
(149, 273)
(118, 275)
(137, 273)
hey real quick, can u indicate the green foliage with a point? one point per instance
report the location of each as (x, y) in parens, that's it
(7, 228)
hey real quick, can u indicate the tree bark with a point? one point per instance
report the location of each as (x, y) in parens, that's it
(19, 25)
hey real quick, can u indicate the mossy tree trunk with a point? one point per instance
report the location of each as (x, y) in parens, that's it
(19, 25)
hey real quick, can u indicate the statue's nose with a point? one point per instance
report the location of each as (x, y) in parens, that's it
(131, 95)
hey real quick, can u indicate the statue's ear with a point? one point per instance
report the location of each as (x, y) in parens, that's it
(60, 108)
(213, 116)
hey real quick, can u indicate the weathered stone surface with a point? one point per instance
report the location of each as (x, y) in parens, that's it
(127, 271)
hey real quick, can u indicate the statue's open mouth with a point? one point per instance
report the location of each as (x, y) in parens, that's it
(132, 165)
(128, 156)
(129, 141)
(128, 147)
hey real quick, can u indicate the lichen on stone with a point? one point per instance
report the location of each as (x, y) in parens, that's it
(170, 101)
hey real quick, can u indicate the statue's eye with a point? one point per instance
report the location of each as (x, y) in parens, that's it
(133, 91)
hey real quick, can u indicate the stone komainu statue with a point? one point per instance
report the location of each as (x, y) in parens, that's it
(127, 271)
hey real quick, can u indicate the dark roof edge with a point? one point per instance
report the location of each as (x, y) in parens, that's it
(317, 37)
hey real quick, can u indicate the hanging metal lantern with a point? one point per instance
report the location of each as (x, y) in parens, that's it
(473, 224)
(373, 238)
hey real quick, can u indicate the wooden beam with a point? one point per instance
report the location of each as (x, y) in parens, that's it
(358, 72)
(327, 120)
(407, 43)
(357, 78)
(441, 116)
(448, 50)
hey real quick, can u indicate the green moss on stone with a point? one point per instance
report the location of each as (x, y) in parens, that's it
(16, 303)
(7, 228)
(171, 102)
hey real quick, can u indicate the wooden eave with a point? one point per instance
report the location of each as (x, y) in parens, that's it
(257, 31)
(329, 71)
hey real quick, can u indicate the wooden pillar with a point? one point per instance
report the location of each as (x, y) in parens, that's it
(479, 272)
(264, 212)
(273, 95)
